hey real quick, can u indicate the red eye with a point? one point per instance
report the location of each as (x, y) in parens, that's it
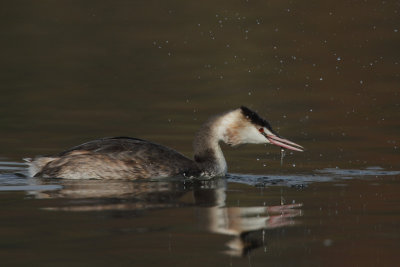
(261, 130)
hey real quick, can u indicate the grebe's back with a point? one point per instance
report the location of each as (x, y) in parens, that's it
(115, 158)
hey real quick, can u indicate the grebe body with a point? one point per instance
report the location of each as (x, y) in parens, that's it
(132, 158)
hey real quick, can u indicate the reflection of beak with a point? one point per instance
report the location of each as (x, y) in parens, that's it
(284, 143)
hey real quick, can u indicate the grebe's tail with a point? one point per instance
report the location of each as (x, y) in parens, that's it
(36, 165)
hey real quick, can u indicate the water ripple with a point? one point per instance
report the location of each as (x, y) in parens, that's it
(14, 177)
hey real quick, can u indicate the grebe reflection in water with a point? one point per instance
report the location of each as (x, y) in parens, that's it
(125, 157)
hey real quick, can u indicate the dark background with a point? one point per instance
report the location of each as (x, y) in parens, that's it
(324, 73)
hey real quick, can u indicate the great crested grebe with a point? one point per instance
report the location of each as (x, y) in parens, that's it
(132, 158)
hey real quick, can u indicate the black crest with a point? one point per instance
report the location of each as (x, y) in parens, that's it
(254, 118)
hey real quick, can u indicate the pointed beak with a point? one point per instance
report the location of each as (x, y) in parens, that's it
(284, 143)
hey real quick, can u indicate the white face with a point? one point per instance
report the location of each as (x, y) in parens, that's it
(252, 135)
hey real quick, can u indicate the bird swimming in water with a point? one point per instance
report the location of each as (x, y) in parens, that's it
(132, 158)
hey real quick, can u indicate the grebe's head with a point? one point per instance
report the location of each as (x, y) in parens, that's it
(246, 127)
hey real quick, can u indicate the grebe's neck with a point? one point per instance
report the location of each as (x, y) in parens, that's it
(207, 151)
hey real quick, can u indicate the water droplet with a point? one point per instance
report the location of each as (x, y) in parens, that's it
(283, 152)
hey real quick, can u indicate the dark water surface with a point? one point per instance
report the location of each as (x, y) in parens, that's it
(325, 74)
